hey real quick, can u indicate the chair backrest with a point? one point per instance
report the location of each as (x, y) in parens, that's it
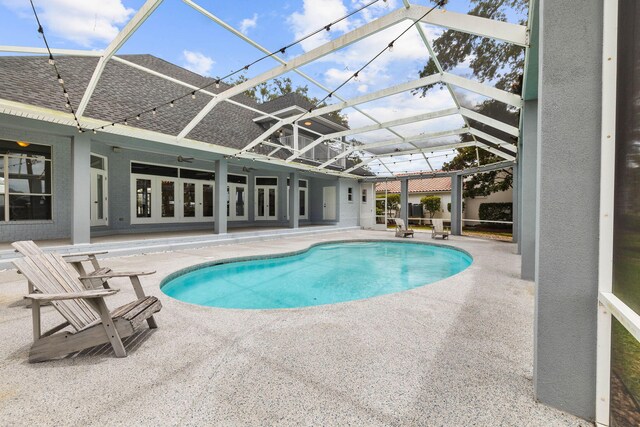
(50, 274)
(437, 225)
(27, 248)
(400, 224)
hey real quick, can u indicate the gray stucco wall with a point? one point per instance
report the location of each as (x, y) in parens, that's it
(59, 226)
(568, 156)
(119, 207)
(528, 162)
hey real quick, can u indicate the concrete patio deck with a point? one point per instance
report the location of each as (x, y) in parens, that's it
(456, 352)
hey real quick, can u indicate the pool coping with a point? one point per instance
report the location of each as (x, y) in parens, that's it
(198, 266)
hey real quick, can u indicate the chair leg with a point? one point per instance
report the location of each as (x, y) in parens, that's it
(109, 327)
(152, 323)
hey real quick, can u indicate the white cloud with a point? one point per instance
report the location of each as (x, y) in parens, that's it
(248, 23)
(86, 22)
(314, 14)
(197, 62)
(404, 105)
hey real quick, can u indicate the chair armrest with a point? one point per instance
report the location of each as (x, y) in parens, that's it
(99, 293)
(87, 254)
(113, 274)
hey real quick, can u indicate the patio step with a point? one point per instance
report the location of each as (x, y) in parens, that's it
(134, 247)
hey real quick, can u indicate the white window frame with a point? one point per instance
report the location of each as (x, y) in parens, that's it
(231, 198)
(608, 303)
(364, 196)
(255, 197)
(156, 196)
(306, 199)
(7, 210)
(105, 189)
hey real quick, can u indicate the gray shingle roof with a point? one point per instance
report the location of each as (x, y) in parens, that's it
(285, 101)
(124, 91)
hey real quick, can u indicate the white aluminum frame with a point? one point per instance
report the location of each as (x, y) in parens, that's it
(507, 32)
(607, 185)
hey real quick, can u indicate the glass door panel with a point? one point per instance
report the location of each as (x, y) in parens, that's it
(272, 203)
(303, 203)
(207, 200)
(189, 199)
(168, 199)
(261, 202)
(143, 198)
(240, 201)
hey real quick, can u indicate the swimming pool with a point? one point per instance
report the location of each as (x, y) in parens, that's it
(326, 273)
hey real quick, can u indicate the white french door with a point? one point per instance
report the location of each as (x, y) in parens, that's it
(99, 191)
(266, 198)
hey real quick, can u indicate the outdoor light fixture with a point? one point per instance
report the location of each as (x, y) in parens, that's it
(23, 143)
(308, 123)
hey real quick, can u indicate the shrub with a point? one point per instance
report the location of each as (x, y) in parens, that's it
(496, 212)
(431, 204)
(449, 207)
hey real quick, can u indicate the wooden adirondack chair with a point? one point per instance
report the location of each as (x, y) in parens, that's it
(401, 229)
(29, 248)
(438, 229)
(52, 279)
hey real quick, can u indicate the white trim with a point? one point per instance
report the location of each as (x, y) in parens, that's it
(607, 182)
(230, 199)
(621, 311)
(143, 13)
(44, 51)
(266, 188)
(105, 189)
(470, 24)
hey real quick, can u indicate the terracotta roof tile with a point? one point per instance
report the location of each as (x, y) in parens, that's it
(424, 185)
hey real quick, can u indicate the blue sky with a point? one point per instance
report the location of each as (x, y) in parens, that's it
(181, 35)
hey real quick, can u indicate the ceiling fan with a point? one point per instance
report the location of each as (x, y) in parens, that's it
(247, 169)
(185, 159)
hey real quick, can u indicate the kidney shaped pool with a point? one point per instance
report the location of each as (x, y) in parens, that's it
(326, 273)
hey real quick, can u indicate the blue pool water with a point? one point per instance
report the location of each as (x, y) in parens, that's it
(325, 274)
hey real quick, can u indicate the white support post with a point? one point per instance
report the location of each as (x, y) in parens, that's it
(143, 13)
(220, 205)
(81, 195)
(456, 205)
(404, 200)
(294, 200)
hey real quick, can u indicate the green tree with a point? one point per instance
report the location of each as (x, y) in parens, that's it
(393, 202)
(492, 62)
(431, 204)
(275, 88)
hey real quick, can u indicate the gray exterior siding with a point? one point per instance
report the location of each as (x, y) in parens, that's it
(60, 224)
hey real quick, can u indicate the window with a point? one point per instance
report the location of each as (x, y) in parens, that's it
(236, 197)
(350, 194)
(364, 195)
(25, 181)
(169, 194)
